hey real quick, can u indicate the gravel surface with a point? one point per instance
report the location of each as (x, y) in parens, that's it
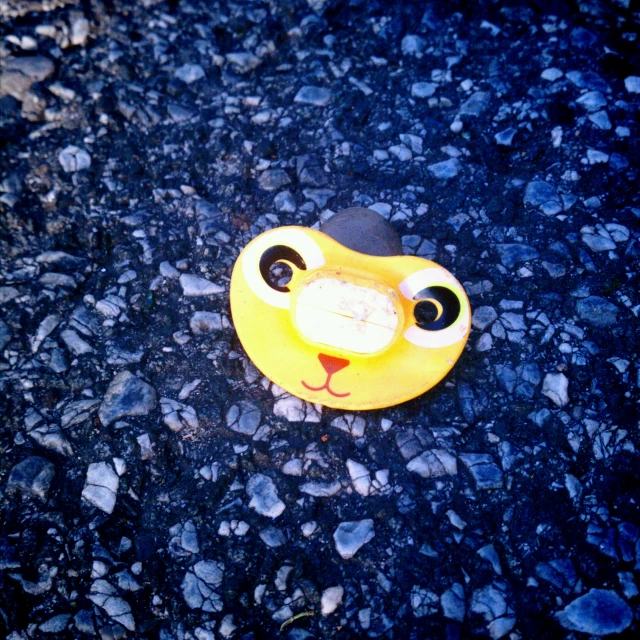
(153, 484)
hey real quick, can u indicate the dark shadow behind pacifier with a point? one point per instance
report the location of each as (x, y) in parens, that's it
(364, 231)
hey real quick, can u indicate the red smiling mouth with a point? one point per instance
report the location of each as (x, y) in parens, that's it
(331, 365)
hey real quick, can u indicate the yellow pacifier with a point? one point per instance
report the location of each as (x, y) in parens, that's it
(354, 324)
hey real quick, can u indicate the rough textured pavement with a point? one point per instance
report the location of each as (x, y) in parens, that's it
(152, 483)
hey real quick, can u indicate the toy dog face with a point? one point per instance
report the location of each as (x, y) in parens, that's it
(349, 330)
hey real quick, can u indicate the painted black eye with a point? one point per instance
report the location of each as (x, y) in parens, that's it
(275, 266)
(437, 308)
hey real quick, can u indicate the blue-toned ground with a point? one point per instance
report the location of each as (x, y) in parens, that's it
(153, 484)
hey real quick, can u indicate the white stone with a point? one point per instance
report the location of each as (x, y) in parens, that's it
(227, 627)
(331, 599)
(73, 159)
(412, 45)
(108, 308)
(244, 417)
(551, 74)
(434, 463)
(197, 286)
(592, 101)
(476, 104)
(44, 329)
(177, 415)
(360, 477)
(423, 602)
(355, 425)
(599, 612)
(349, 537)
(382, 208)
(317, 96)
(79, 32)
(555, 386)
(21, 72)
(127, 395)
(411, 141)
(284, 202)
(290, 408)
(103, 594)
(262, 117)
(456, 520)
(189, 73)
(457, 125)
(597, 157)
(446, 169)
(423, 89)
(188, 388)
(380, 483)
(483, 317)
(453, 603)
(199, 584)
(203, 322)
(103, 475)
(101, 486)
(321, 489)
(51, 437)
(401, 152)
(56, 624)
(505, 138)
(295, 409)
(293, 467)
(99, 569)
(264, 496)
(489, 553)
(618, 232)
(282, 576)
(167, 270)
(601, 120)
(243, 61)
(484, 343)
(184, 540)
(632, 84)
(598, 243)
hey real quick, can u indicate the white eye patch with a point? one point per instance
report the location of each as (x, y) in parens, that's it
(432, 276)
(425, 279)
(297, 240)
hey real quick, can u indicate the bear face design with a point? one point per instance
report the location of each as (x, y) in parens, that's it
(348, 330)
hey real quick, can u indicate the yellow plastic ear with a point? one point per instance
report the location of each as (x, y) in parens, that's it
(342, 332)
